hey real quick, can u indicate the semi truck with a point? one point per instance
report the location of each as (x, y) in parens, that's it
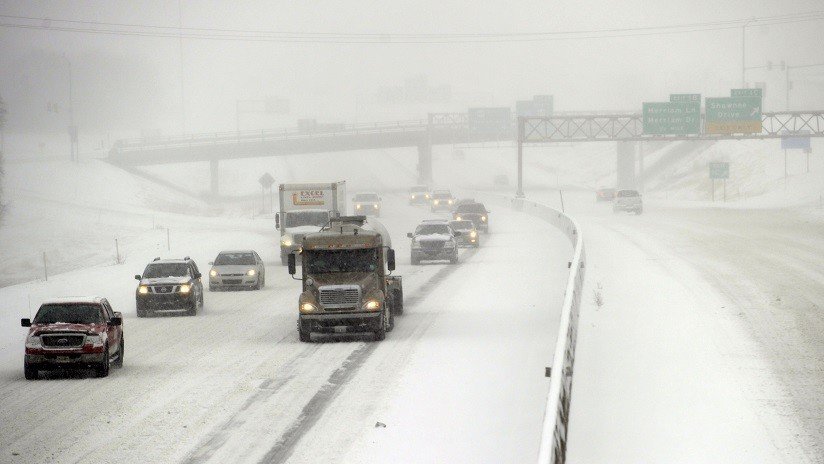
(306, 208)
(347, 283)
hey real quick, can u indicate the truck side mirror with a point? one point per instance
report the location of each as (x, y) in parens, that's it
(409, 234)
(390, 259)
(116, 321)
(291, 263)
(25, 322)
(137, 277)
(277, 221)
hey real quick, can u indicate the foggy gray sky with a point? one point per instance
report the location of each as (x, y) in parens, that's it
(129, 84)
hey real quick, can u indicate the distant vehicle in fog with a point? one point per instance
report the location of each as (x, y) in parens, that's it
(367, 204)
(605, 194)
(469, 234)
(237, 270)
(500, 181)
(419, 195)
(442, 200)
(305, 209)
(74, 332)
(628, 200)
(475, 212)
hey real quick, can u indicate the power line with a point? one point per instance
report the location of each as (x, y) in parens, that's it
(148, 30)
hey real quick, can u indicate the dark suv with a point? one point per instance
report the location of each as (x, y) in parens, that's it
(169, 286)
(475, 212)
(74, 332)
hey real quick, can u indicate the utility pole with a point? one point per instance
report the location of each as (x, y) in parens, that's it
(744, 52)
(73, 143)
(180, 55)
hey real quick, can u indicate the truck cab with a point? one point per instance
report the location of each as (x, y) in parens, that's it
(347, 287)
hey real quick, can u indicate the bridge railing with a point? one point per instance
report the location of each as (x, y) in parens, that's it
(266, 135)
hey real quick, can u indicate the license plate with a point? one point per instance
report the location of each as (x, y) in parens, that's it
(340, 329)
(63, 359)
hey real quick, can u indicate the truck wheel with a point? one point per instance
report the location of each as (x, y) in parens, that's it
(397, 302)
(119, 361)
(102, 369)
(380, 334)
(391, 324)
(30, 372)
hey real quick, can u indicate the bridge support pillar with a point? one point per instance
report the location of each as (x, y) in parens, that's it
(425, 163)
(625, 171)
(214, 178)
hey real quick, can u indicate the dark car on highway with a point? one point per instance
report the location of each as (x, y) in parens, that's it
(169, 286)
(475, 212)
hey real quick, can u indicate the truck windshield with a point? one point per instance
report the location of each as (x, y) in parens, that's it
(328, 261)
(154, 271)
(306, 218)
(441, 195)
(366, 197)
(430, 229)
(68, 313)
(236, 259)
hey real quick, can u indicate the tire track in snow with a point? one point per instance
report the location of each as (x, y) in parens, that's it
(320, 401)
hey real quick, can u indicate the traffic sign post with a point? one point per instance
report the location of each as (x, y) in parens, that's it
(719, 170)
(672, 118)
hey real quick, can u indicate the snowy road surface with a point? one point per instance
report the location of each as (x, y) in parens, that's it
(708, 346)
(458, 380)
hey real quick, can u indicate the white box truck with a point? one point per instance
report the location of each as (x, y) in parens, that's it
(305, 209)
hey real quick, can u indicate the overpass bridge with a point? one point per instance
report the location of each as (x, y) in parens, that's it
(437, 129)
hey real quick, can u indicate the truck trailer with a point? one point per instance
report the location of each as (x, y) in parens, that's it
(306, 208)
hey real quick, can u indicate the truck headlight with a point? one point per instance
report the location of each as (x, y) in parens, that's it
(213, 273)
(185, 288)
(307, 308)
(251, 272)
(473, 234)
(372, 305)
(143, 290)
(96, 341)
(286, 240)
(457, 218)
(357, 206)
(33, 341)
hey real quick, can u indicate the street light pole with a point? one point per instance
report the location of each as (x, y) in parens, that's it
(744, 53)
(73, 144)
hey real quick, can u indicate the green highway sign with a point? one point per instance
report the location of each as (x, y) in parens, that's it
(672, 118)
(746, 93)
(733, 115)
(685, 97)
(719, 170)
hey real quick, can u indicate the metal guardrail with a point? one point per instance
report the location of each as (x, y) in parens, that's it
(556, 415)
(555, 431)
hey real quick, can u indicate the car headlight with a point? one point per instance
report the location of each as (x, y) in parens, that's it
(457, 218)
(372, 305)
(415, 244)
(473, 234)
(143, 290)
(185, 288)
(33, 341)
(213, 273)
(436, 201)
(251, 272)
(376, 205)
(286, 240)
(413, 196)
(307, 308)
(357, 206)
(427, 196)
(483, 218)
(450, 202)
(95, 340)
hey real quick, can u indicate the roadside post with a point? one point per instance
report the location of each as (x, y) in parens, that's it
(719, 170)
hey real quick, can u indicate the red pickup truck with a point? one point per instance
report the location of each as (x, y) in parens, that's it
(74, 332)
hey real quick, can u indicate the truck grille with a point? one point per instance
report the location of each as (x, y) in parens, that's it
(340, 296)
(62, 340)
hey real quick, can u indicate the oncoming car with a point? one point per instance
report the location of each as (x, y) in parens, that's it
(367, 204)
(237, 270)
(434, 241)
(169, 286)
(419, 195)
(469, 234)
(475, 212)
(627, 200)
(74, 332)
(441, 200)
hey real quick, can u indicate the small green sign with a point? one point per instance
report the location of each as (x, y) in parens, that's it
(733, 115)
(685, 97)
(719, 170)
(746, 93)
(672, 118)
